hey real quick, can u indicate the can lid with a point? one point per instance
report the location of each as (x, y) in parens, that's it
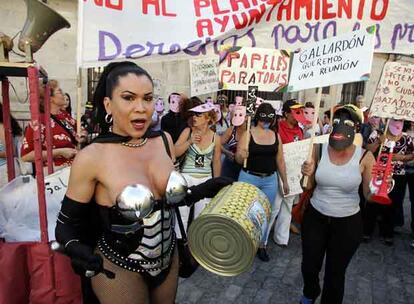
(221, 245)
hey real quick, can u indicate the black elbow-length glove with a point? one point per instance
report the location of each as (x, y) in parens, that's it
(71, 225)
(208, 189)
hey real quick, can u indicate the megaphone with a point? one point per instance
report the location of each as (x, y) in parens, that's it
(41, 23)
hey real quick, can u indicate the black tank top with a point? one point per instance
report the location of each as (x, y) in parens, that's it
(262, 158)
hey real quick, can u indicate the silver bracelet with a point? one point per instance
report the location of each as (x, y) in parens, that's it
(73, 240)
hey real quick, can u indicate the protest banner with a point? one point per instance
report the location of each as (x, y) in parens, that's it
(204, 76)
(295, 154)
(342, 59)
(117, 29)
(242, 67)
(394, 96)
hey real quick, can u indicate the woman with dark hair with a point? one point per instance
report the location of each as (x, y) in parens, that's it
(63, 129)
(332, 223)
(264, 162)
(68, 104)
(126, 171)
(17, 133)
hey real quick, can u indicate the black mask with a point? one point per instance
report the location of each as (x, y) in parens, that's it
(266, 116)
(343, 132)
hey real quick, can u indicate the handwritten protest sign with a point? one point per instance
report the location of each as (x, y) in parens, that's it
(295, 154)
(19, 210)
(394, 97)
(341, 59)
(169, 29)
(204, 76)
(265, 68)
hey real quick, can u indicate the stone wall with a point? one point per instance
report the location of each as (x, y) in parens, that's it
(57, 56)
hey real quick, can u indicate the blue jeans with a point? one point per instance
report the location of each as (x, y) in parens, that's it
(269, 185)
(230, 168)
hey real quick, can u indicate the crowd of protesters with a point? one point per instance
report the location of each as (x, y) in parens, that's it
(209, 140)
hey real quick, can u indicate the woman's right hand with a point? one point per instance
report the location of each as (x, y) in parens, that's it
(308, 168)
(195, 137)
(67, 153)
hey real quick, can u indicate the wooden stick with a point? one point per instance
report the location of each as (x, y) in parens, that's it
(312, 138)
(249, 122)
(79, 103)
(385, 135)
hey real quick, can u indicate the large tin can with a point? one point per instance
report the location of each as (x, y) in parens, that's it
(225, 237)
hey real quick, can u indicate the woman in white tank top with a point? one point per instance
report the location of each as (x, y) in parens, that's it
(332, 224)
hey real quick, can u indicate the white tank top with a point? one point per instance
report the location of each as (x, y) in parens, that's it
(336, 192)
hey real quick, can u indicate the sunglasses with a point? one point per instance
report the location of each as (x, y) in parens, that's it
(347, 122)
(198, 114)
(264, 115)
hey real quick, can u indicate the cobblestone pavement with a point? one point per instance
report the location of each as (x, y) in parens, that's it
(377, 274)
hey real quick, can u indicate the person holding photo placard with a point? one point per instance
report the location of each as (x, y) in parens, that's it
(332, 222)
(264, 161)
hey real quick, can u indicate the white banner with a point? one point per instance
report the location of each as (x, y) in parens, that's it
(342, 59)
(243, 67)
(204, 76)
(394, 97)
(169, 29)
(19, 208)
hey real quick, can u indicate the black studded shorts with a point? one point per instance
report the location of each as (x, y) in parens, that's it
(143, 267)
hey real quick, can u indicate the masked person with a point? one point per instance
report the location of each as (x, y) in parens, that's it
(309, 114)
(173, 123)
(229, 140)
(332, 224)
(392, 215)
(264, 161)
(122, 178)
(289, 131)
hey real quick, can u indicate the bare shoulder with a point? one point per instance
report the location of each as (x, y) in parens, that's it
(86, 160)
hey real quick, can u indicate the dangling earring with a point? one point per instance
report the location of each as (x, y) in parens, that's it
(108, 118)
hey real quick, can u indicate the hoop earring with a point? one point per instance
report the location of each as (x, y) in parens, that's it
(108, 118)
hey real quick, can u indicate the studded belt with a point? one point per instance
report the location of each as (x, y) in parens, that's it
(135, 265)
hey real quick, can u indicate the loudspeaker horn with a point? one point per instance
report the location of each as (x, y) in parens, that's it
(41, 23)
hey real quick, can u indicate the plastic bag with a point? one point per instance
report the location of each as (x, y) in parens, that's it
(19, 208)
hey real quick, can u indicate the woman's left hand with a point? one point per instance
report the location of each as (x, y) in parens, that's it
(308, 168)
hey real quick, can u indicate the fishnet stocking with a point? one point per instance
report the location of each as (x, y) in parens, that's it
(130, 287)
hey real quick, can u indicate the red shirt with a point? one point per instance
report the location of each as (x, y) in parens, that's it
(288, 134)
(60, 136)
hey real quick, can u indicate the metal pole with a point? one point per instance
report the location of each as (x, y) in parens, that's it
(8, 133)
(48, 129)
(33, 75)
